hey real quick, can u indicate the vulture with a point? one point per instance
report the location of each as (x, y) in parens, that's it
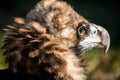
(46, 45)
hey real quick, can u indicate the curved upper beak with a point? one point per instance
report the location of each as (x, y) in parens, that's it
(105, 38)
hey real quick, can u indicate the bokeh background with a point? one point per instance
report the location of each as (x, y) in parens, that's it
(102, 12)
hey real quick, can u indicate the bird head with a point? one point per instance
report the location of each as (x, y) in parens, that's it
(63, 22)
(92, 36)
(86, 36)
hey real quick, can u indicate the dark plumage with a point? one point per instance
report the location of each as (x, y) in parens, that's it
(46, 44)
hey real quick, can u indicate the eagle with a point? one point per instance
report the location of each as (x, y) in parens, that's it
(47, 44)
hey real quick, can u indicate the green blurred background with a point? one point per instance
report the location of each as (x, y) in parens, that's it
(102, 12)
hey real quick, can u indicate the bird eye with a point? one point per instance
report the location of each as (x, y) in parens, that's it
(82, 29)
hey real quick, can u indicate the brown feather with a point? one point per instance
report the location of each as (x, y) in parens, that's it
(32, 46)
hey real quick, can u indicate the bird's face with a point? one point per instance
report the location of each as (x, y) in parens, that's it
(88, 36)
(91, 36)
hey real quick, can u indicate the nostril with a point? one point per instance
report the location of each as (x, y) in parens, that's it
(99, 33)
(95, 32)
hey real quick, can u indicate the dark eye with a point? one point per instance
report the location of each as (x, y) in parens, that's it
(82, 29)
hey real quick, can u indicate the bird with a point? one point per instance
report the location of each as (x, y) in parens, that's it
(47, 44)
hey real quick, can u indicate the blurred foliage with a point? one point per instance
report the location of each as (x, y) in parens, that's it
(102, 12)
(3, 65)
(103, 66)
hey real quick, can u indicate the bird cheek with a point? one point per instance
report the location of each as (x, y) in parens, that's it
(86, 45)
(90, 42)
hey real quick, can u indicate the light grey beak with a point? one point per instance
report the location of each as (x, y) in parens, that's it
(105, 38)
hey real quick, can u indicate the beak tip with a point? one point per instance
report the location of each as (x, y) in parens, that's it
(105, 50)
(106, 41)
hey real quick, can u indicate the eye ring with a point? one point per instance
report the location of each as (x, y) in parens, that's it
(82, 29)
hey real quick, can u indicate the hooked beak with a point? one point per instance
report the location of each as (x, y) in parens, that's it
(105, 38)
(97, 37)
